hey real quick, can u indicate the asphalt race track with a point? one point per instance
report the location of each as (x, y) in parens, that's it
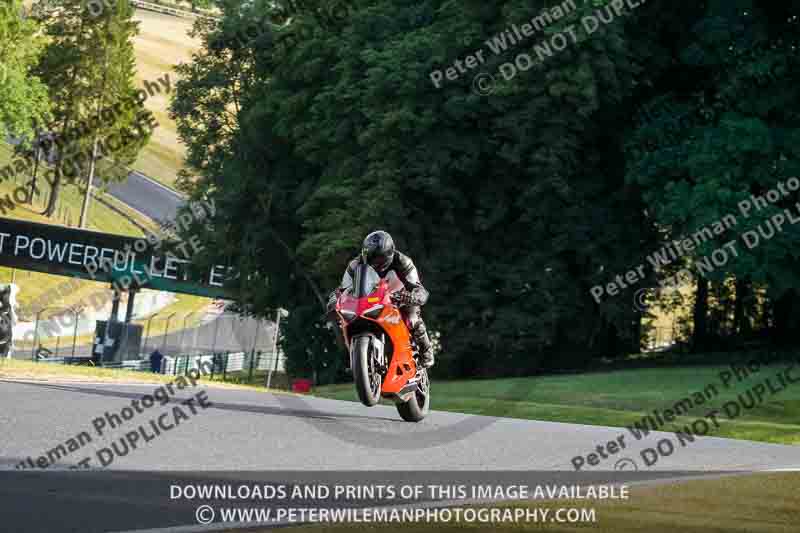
(147, 196)
(245, 433)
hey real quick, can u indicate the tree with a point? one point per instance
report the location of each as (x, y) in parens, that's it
(306, 148)
(23, 96)
(726, 132)
(89, 68)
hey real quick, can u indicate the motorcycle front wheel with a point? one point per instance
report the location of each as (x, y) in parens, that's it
(418, 406)
(365, 373)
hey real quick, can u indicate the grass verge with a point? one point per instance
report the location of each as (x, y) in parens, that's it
(763, 503)
(101, 218)
(622, 397)
(29, 370)
(162, 43)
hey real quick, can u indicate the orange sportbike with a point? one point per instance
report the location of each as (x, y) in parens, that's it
(383, 355)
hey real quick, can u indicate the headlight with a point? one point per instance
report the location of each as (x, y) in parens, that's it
(347, 315)
(374, 311)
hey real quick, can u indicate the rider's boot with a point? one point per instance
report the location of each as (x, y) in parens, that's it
(420, 333)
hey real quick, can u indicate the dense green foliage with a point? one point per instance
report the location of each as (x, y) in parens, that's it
(726, 128)
(618, 399)
(23, 97)
(317, 124)
(89, 67)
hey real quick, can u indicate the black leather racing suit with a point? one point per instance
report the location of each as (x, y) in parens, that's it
(406, 272)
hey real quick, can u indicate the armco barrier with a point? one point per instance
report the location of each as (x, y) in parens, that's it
(252, 368)
(136, 365)
(158, 8)
(241, 367)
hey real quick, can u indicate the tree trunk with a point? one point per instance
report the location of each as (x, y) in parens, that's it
(784, 318)
(741, 322)
(700, 335)
(635, 343)
(55, 187)
(52, 200)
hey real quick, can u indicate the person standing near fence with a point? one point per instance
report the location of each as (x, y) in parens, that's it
(8, 318)
(155, 361)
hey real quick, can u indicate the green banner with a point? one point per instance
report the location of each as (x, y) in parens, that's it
(129, 262)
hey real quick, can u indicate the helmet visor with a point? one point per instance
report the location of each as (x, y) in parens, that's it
(378, 261)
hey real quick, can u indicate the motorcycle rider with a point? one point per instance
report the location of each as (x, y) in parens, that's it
(379, 252)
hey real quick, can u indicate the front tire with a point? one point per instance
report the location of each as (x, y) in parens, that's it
(365, 373)
(418, 406)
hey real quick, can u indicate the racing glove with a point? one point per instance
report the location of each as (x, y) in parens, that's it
(332, 300)
(405, 298)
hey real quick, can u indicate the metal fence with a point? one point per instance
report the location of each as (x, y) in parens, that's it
(254, 367)
(166, 9)
(67, 334)
(660, 338)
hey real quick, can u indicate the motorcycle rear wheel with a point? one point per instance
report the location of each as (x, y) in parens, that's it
(365, 374)
(418, 406)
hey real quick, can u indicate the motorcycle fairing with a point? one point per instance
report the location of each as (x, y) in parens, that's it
(361, 303)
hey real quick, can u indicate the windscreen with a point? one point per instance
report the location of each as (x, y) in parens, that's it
(394, 283)
(365, 280)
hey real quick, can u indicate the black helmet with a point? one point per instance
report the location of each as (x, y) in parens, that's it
(378, 250)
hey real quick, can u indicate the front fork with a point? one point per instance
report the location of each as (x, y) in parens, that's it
(380, 360)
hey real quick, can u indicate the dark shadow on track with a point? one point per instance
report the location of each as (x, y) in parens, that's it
(283, 410)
